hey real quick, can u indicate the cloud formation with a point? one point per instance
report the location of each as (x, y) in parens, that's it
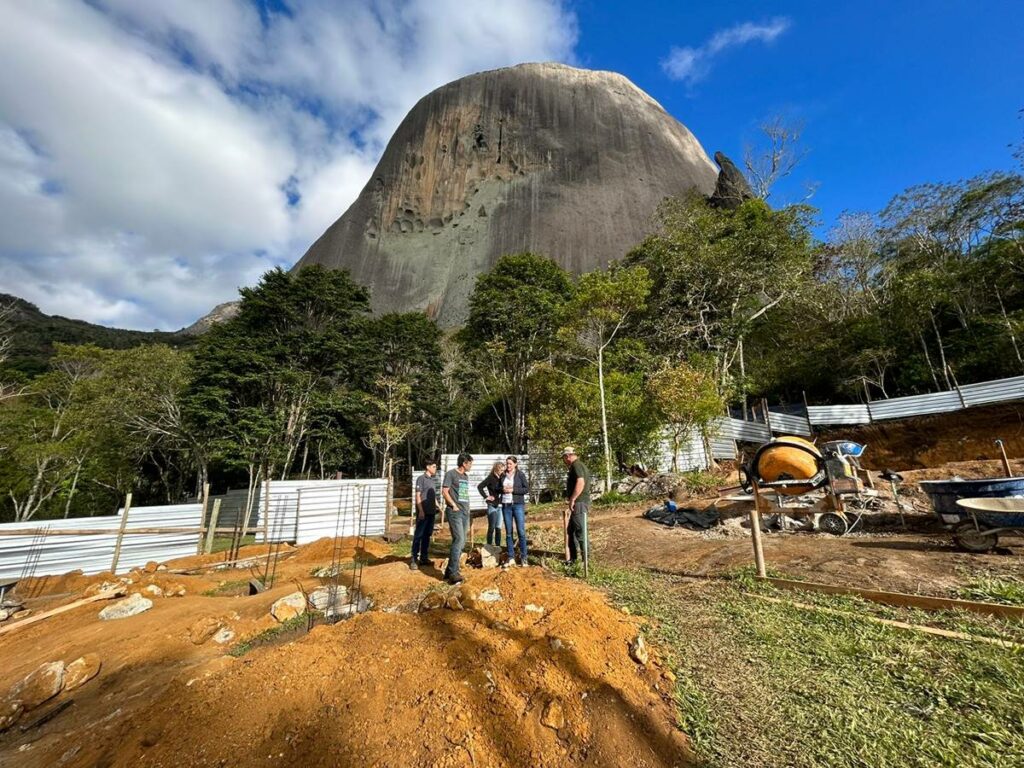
(690, 64)
(155, 156)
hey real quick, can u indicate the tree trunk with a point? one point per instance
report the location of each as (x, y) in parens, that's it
(604, 421)
(942, 354)
(743, 379)
(928, 359)
(1009, 328)
(71, 493)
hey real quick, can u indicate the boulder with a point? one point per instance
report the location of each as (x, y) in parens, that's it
(489, 595)
(553, 716)
(432, 601)
(731, 187)
(81, 670)
(130, 606)
(40, 686)
(638, 651)
(289, 606)
(10, 711)
(223, 636)
(329, 599)
(204, 629)
(4, 614)
(534, 608)
(154, 590)
(488, 555)
(22, 614)
(468, 596)
(453, 603)
(174, 590)
(151, 566)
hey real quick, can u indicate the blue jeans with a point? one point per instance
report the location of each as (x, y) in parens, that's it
(516, 512)
(494, 524)
(421, 538)
(458, 524)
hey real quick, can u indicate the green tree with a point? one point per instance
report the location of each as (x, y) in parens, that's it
(512, 327)
(603, 302)
(688, 400)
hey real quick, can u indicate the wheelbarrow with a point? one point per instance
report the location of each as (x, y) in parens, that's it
(989, 519)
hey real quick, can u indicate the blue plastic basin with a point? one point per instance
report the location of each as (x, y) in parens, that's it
(944, 494)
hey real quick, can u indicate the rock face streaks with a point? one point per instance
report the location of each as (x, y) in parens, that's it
(565, 162)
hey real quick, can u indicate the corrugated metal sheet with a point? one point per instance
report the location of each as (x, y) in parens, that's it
(915, 405)
(994, 391)
(482, 463)
(787, 424)
(328, 499)
(692, 454)
(748, 431)
(723, 447)
(838, 414)
(93, 553)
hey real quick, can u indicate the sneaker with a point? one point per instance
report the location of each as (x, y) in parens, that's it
(568, 563)
(413, 566)
(455, 580)
(428, 563)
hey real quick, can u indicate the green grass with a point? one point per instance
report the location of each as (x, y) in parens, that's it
(770, 684)
(402, 547)
(223, 543)
(270, 636)
(994, 589)
(227, 587)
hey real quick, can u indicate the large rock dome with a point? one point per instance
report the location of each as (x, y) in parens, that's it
(568, 163)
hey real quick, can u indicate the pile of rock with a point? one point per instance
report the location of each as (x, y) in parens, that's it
(45, 683)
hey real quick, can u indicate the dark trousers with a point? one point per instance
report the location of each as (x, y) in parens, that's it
(494, 524)
(458, 524)
(576, 542)
(421, 537)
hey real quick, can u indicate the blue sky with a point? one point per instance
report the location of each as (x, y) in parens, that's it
(156, 155)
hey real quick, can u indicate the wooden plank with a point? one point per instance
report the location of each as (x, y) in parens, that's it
(890, 623)
(755, 532)
(202, 517)
(120, 533)
(61, 609)
(213, 526)
(902, 600)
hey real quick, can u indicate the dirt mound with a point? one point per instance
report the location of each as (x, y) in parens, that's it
(541, 677)
(198, 561)
(323, 550)
(967, 470)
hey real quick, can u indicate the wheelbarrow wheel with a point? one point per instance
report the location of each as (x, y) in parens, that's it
(968, 537)
(832, 523)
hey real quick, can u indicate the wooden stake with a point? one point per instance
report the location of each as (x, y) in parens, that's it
(903, 600)
(890, 623)
(1006, 461)
(755, 533)
(120, 533)
(266, 512)
(53, 612)
(206, 501)
(565, 531)
(212, 530)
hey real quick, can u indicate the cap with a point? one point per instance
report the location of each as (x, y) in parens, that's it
(568, 450)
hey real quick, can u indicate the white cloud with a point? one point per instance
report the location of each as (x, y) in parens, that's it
(691, 64)
(155, 156)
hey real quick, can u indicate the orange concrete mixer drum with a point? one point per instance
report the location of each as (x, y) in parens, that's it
(788, 458)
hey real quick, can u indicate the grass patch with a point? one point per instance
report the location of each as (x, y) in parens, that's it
(771, 684)
(235, 587)
(994, 589)
(223, 543)
(402, 547)
(283, 631)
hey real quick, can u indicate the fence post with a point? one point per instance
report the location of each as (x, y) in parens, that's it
(867, 397)
(767, 416)
(807, 414)
(202, 517)
(120, 533)
(266, 513)
(212, 530)
(755, 532)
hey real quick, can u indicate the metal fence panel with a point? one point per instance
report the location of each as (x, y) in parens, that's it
(692, 454)
(93, 553)
(838, 414)
(915, 405)
(284, 511)
(748, 431)
(723, 447)
(784, 423)
(994, 391)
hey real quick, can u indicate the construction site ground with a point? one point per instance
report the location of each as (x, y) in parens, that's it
(738, 673)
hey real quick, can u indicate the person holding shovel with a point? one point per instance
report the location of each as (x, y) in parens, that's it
(577, 491)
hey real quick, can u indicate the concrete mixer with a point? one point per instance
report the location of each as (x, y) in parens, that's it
(791, 467)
